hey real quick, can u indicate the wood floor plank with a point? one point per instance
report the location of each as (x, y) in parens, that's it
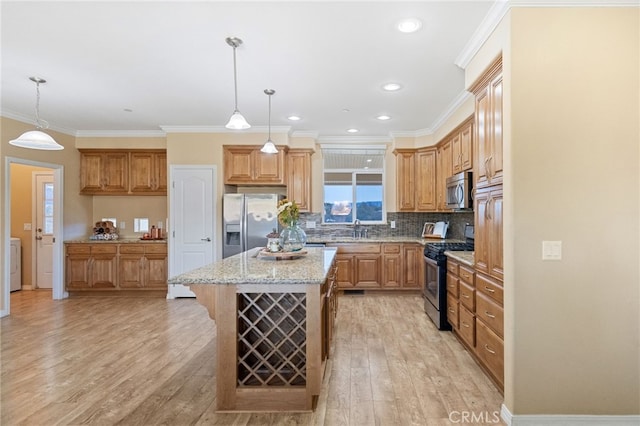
(144, 362)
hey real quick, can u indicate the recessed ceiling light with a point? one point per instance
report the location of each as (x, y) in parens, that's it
(369, 160)
(293, 118)
(409, 25)
(352, 130)
(383, 117)
(391, 87)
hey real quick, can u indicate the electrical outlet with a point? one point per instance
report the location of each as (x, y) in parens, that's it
(122, 225)
(552, 250)
(311, 224)
(393, 224)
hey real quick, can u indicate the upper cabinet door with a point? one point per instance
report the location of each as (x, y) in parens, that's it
(149, 172)
(299, 177)
(248, 165)
(123, 172)
(426, 179)
(104, 172)
(405, 180)
(488, 162)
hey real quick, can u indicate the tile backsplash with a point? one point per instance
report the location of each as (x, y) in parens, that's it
(407, 225)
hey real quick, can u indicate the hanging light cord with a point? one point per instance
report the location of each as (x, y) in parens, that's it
(269, 117)
(40, 124)
(235, 79)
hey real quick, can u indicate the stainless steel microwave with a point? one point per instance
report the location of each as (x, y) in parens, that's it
(459, 188)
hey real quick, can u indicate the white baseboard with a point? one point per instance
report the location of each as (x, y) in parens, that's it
(566, 420)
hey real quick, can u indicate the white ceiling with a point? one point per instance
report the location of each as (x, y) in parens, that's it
(169, 63)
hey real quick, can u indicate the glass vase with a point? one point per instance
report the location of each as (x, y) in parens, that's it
(292, 237)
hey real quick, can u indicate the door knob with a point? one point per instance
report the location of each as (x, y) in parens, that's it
(205, 239)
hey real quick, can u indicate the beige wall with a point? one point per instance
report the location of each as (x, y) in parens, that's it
(21, 213)
(572, 166)
(77, 210)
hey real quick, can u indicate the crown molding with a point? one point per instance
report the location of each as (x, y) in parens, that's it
(354, 139)
(31, 121)
(304, 134)
(482, 33)
(501, 7)
(222, 129)
(120, 134)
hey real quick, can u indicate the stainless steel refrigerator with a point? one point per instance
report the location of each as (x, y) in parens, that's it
(246, 221)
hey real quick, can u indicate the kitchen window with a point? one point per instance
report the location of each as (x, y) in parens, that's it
(353, 186)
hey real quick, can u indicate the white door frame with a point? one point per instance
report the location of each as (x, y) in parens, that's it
(58, 258)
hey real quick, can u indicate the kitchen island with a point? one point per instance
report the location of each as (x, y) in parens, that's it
(274, 320)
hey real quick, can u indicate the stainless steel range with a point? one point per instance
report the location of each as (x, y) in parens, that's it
(435, 289)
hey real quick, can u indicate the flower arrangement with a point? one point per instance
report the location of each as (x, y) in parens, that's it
(288, 212)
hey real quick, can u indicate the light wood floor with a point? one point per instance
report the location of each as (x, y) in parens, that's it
(134, 361)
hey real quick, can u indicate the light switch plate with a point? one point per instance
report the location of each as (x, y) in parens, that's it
(552, 250)
(311, 224)
(122, 225)
(26, 227)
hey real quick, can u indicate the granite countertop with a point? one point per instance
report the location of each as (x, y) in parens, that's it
(248, 268)
(466, 257)
(118, 241)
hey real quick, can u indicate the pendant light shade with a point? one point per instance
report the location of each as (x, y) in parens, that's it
(237, 121)
(36, 139)
(269, 147)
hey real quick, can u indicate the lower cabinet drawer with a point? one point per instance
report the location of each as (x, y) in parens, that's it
(452, 311)
(467, 328)
(490, 287)
(467, 296)
(490, 349)
(490, 313)
(452, 284)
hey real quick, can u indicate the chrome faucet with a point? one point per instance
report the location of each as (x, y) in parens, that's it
(356, 229)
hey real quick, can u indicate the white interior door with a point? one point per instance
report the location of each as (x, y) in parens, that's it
(44, 237)
(192, 212)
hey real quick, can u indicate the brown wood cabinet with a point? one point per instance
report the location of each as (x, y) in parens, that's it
(91, 267)
(488, 159)
(123, 172)
(299, 177)
(392, 265)
(385, 266)
(247, 165)
(426, 179)
(143, 266)
(462, 147)
(104, 172)
(148, 172)
(112, 267)
(474, 310)
(416, 179)
(444, 170)
(488, 232)
(405, 179)
(413, 262)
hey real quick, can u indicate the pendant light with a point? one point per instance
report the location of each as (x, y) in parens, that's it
(237, 121)
(269, 147)
(36, 139)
